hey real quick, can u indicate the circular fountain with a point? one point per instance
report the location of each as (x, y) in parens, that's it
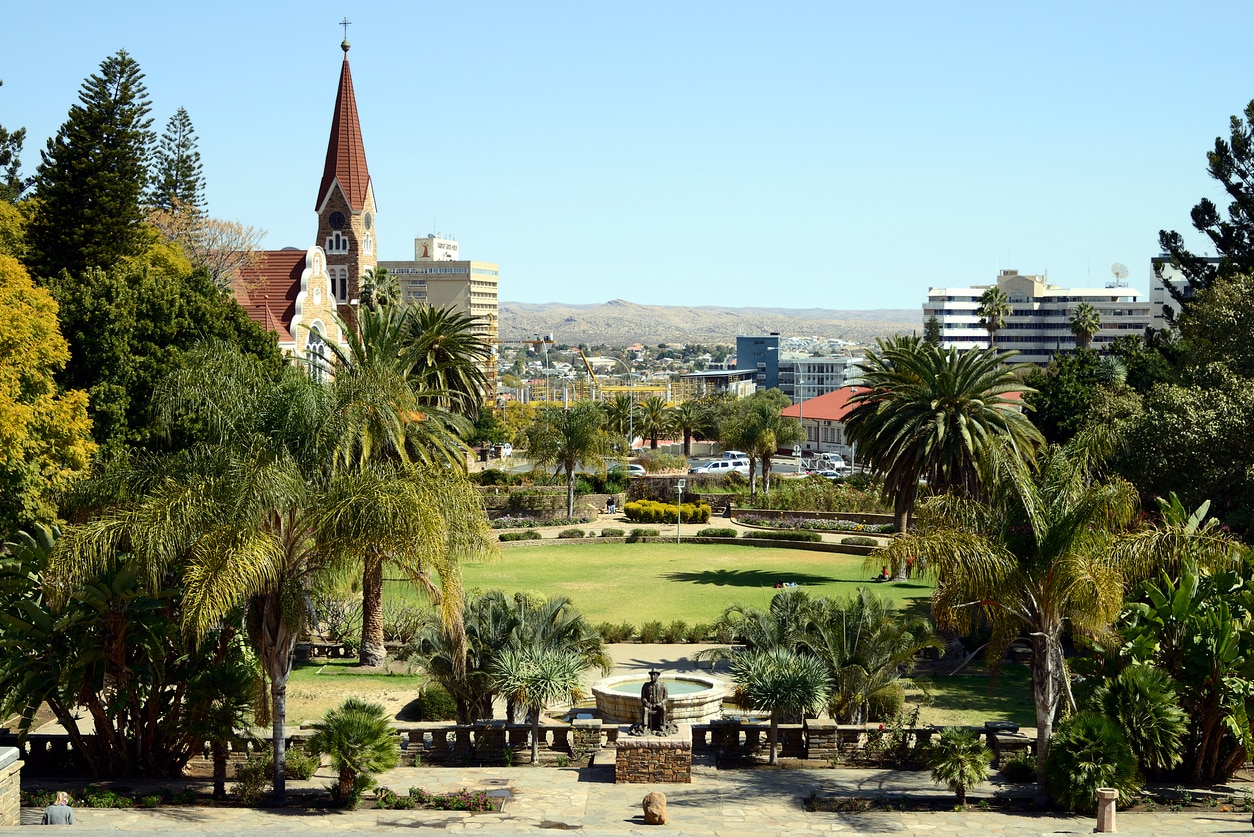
(691, 698)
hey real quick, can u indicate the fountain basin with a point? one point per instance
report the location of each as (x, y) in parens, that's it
(618, 698)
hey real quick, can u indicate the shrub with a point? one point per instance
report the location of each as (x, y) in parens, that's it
(960, 760)
(676, 631)
(434, 703)
(621, 632)
(1087, 752)
(524, 535)
(785, 535)
(253, 778)
(300, 764)
(570, 533)
(93, 797)
(612, 533)
(637, 534)
(651, 511)
(651, 631)
(817, 524)
(859, 540)
(885, 703)
(656, 462)
(359, 739)
(514, 523)
(1143, 702)
(495, 476)
(1021, 767)
(401, 621)
(717, 532)
(584, 486)
(700, 632)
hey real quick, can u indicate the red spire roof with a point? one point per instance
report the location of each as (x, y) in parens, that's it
(346, 155)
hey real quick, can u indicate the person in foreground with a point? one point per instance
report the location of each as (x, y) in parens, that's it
(59, 812)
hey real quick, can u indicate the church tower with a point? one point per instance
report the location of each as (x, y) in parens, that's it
(346, 209)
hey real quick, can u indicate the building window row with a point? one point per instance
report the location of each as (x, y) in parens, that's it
(337, 243)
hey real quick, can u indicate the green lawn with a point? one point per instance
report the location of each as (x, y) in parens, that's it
(641, 582)
(971, 698)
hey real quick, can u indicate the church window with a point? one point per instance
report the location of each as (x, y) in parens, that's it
(342, 284)
(367, 243)
(316, 356)
(337, 243)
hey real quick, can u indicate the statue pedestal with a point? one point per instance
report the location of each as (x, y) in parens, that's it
(654, 759)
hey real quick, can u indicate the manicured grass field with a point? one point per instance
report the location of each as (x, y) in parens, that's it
(642, 582)
(971, 698)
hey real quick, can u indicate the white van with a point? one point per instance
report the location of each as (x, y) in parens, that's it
(735, 454)
(723, 466)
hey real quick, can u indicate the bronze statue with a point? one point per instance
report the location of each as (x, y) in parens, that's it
(653, 703)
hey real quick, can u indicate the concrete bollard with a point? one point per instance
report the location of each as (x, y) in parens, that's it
(1106, 799)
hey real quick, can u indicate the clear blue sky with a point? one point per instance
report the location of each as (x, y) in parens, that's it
(832, 154)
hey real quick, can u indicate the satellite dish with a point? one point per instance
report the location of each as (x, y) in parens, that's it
(1120, 271)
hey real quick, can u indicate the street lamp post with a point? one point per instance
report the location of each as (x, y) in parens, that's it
(679, 508)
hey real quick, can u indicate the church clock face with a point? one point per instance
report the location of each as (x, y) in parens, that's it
(336, 220)
(369, 220)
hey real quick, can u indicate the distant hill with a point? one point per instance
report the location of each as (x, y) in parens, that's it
(620, 323)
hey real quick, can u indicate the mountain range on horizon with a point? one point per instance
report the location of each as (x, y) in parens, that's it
(620, 322)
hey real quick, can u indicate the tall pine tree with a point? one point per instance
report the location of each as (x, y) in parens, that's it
(93, 176)
(11, 182)
(178, 185)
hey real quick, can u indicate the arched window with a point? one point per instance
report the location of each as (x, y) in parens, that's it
(316, 356)
(367, 243)
(342, 284)
(337, 242)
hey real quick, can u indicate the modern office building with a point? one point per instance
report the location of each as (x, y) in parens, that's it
(802, 378)
(1039, 324)
(761, 356)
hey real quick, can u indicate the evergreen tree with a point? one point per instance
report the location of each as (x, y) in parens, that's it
(93, 176)
(177, 181)
(1233, 237)
(932, 331)
(11, 183)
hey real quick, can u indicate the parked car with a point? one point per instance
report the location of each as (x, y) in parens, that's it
(631, 469)
(831, 475)
(722, 466)
(735, 454)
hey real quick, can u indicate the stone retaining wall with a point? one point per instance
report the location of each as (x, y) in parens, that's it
(10, 787)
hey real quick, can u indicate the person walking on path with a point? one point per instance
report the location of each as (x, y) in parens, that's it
(59, 812)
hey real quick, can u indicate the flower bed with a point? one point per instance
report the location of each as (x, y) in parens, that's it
(459, 800)
(814, 524)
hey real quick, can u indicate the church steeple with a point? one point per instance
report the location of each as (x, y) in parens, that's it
(346, 207)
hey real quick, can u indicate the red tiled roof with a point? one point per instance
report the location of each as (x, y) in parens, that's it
(267, 289)
(830, 406)
(346, 155)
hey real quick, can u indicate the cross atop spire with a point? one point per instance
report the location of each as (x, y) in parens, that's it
(345, 45)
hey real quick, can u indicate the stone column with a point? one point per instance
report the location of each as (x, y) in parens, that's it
(10, 785)
(1106, 799)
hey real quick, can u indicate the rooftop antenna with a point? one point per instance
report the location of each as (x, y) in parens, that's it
(1120, 272)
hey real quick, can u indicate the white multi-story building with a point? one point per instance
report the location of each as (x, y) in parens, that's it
(803, 378)
(1039, 324)
(1162, 274)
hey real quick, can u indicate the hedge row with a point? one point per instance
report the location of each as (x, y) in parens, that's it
(784, 535)
(651, 511)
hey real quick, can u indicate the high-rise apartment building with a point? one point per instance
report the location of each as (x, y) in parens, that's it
(1039, 324)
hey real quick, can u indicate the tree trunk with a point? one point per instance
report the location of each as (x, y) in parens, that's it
(347, 780)
(902, 505)
(373, 652)
(535, 736)
(652, 441)
(1045, 697)
(219, 767)
(570, 494)
(687, 443)
(278, 738)
(766, 474)
(774, 737)
(276, 644)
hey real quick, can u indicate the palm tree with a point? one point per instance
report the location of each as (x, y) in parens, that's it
(1085, 322)
(222, 694)
(620, 415)
(568, 438)
(688, 418)
(359, 738)
(1042, 553)
(653, 419)
(450, 358)
(537, 677)
(929, 413)
(865, 644)
(766, 431)
(258, 513)
(993, 309)
(382, 421)
(959, 759)
(782, 682)
(379, 289)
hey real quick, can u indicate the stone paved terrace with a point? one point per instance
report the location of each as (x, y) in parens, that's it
(728, 803)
